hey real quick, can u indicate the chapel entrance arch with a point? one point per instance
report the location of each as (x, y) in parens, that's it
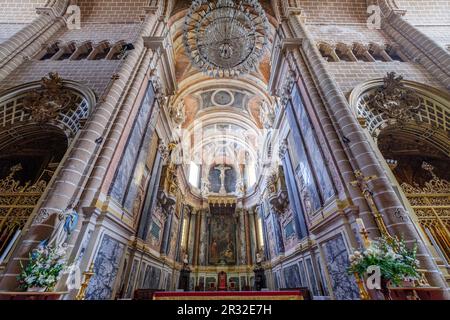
(408, 123)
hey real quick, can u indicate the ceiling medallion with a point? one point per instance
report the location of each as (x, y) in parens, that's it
(226, 38)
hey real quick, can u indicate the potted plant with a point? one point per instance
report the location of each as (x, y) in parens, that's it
(397, 263)
(43, 270)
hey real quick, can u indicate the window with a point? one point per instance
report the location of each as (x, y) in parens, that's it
(251, 174)
(194, 174)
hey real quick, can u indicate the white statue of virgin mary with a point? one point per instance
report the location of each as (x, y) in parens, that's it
(67, 222)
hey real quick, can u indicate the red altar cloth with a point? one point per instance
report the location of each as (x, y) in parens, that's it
(243, 295)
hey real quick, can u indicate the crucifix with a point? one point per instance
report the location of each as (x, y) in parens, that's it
(363, 183)
(223, 169)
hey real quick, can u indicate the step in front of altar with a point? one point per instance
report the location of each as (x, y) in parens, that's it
(217, 295)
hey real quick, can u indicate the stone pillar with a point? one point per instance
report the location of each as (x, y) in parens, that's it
(397, 220)
(425, 50)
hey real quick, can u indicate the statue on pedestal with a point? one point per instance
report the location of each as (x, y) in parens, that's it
(68, 220)
(260, 277)
(186, 262)
(185, 274)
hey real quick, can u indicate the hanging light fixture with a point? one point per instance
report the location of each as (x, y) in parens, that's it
(226, 38)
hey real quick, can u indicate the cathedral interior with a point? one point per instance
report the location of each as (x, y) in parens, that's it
(223, 146)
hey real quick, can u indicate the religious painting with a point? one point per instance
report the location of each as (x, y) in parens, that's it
(271, 236)
(307, 185)
(311, 142)
(174, 235)
(152, 278)
(156, 228)
(222, 244)
(130, 156)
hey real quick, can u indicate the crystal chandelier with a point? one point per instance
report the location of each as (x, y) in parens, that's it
(226, 38)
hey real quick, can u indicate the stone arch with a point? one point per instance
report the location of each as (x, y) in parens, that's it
(431, 118)
(409, 123)
(24, 105)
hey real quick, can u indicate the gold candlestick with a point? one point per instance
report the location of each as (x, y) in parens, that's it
(363, 294)
(87, 278)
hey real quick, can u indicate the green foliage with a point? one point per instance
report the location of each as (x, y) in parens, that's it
(396, 261)
(44, 268)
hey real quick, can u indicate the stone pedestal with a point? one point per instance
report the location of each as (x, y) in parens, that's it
(183, 283)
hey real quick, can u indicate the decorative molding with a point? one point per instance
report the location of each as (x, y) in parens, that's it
(394, 100)
(45, 104)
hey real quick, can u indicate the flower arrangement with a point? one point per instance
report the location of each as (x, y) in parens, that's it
(44, 269)
(397, 263)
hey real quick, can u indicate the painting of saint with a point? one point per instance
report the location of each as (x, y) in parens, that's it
(214, 254)
(222, 248)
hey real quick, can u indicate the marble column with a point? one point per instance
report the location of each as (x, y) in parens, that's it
(204, 236)
(242, 239)
(247, 238)
(191, 240)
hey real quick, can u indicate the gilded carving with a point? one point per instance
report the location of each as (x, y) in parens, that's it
(177, 112)
(46, 103)
(287, 87)
(435, 185)
(395, 100)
